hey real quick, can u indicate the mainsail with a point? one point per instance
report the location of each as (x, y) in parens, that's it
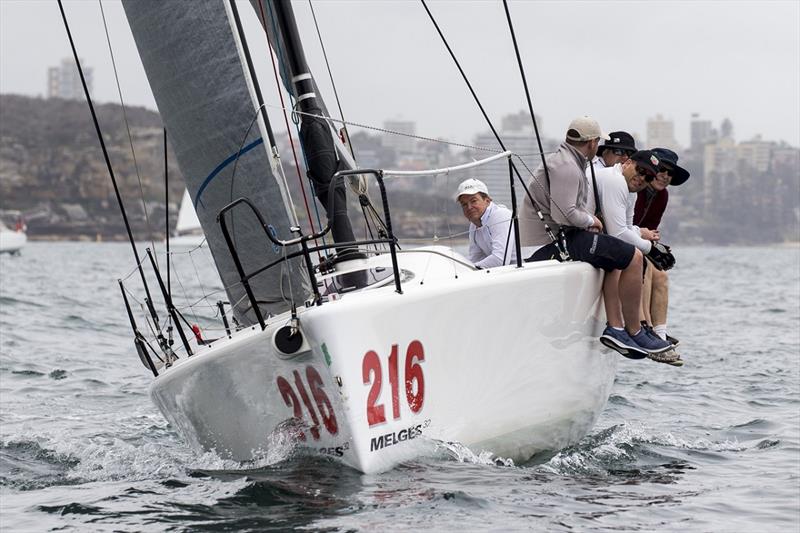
(192, 58)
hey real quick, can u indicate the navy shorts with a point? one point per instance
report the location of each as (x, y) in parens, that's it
(597, 249)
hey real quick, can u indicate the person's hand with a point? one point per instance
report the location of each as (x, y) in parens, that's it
(661, 256)
(597, 226)
(650, 234)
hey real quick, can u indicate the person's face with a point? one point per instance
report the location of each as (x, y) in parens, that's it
(473, 206)
(612, 156)
(634, 176)
(663, 179)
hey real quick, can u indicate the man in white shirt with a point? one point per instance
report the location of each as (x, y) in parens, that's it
(617, 149)
(490, 241)
(617, 187)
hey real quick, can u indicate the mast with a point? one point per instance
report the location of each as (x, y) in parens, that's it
(323, 157)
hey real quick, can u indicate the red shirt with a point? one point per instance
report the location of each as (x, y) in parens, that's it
(650, 206)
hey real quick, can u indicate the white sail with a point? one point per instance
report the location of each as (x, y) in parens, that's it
(192, 60)
(187, 217)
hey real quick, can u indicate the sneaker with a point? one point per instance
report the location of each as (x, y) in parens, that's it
(650, 344)
(620, 341)
(672, 340)
(670, 357)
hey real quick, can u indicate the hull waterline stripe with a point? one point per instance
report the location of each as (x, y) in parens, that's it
(222, 165)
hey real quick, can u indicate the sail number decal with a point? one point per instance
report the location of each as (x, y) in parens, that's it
(320, 408)
(414, 380)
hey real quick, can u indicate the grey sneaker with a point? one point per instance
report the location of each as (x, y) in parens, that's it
(650, 344)
(620, 341)
(670, 357)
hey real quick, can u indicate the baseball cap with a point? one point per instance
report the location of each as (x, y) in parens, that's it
(471, 186)
(585, 129)
(647, 160)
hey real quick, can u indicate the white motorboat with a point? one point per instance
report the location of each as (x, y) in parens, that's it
(12, 241)
(373, 355)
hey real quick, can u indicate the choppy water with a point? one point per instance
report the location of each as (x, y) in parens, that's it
(714, 446)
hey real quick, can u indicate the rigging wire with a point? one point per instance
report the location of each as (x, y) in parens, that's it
(330, 75)
(285, 116)
(527, 91)
(127, 125)
(494, 131)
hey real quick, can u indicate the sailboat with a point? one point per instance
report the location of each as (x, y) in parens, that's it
(12, 241)
(188, 232)
(374, 354)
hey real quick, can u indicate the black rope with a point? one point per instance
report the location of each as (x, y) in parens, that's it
(108, 163)
(527, 92)
(494, 131)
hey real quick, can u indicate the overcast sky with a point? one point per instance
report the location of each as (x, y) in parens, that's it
(620, 62)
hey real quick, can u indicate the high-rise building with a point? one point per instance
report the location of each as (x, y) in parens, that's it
(756, 153)
(518, 136)
(400, 143)
(661, 133)
(64, 81)
(701, 133)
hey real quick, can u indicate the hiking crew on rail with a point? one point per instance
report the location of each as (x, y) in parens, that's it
(561, 191)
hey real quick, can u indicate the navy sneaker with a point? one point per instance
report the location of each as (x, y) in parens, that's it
(650, 344)
(652, 332)
(620, 341)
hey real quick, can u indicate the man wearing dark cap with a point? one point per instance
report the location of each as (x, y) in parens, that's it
(650, 206)
(617, 188)
(560, 190)
(617, 149)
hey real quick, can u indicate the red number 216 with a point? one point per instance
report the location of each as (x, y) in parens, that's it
(414, 382)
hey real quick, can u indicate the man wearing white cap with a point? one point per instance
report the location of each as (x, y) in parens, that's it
(489, 226)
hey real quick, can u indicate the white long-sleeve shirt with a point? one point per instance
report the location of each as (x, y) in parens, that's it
(487, 243)
(617, 204)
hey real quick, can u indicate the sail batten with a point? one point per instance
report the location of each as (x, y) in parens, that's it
(193, 61)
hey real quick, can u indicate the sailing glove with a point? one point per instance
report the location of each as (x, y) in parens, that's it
(661, 256)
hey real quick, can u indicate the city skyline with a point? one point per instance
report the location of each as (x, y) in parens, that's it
(710, 69)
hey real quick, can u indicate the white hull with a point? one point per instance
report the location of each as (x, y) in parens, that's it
(510, 364)
(12, 241)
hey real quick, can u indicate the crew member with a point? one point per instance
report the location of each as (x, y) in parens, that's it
(559, 189)
(490, 241)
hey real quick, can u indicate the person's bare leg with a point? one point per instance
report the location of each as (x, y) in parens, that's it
(611, 299)
(630, 292)
(660, 302)
(647, 295)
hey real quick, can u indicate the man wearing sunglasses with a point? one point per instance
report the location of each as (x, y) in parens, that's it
(617, 149)
(617, 187)
(559, 189)
(650, 206)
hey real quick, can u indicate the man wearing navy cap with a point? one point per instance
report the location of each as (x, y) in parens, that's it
(617, 149)
(617, 187)
(558, 191)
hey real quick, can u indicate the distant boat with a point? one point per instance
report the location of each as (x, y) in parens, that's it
(12, 241)
(188, 233)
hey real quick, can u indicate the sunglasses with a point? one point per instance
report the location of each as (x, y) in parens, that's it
(664, 168)
(646, 173)
(617, 151)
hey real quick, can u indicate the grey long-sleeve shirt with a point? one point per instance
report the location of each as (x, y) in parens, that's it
(564, 204)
